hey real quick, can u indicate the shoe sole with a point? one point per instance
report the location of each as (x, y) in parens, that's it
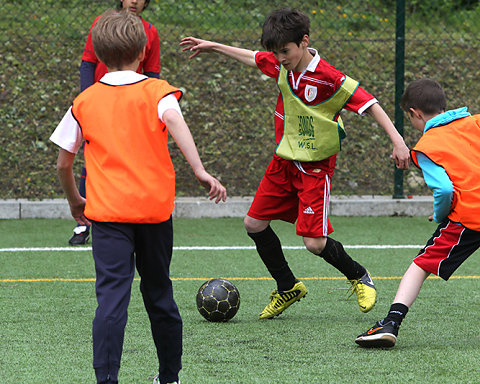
(384, 340)
(278, 314)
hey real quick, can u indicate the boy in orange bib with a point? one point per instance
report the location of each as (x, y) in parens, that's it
(125, 119)
(448, 153)
(92, 70)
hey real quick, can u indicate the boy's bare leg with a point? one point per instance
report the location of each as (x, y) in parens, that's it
(410, 285)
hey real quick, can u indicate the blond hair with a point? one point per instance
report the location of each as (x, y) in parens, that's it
(118, 38)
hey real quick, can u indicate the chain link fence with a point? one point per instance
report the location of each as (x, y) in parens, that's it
(229, 107)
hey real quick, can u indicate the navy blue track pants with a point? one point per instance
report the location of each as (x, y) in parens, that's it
(117, 249)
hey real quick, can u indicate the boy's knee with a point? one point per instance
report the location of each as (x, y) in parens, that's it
(254, 225)
(315, 245)
(247, 224)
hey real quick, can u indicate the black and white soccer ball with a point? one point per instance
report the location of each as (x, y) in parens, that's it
(218, 300)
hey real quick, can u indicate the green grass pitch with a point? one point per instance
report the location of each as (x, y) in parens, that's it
(47, 305)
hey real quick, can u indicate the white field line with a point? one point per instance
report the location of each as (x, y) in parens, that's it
(206, 248)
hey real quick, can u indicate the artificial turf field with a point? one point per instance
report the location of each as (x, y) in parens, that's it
(47, 305)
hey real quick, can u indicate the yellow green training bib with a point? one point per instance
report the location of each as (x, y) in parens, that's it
(310, 132)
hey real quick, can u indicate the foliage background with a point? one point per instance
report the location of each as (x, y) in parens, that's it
(229, 108)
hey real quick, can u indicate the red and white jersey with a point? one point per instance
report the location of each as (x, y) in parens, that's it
(151, 63)
(318, 82)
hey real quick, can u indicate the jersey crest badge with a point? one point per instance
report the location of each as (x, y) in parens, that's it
(310, 93)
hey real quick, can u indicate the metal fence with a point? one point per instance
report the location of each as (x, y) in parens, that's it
(229, 108)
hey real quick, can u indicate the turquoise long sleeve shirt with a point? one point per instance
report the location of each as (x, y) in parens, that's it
(435, 176)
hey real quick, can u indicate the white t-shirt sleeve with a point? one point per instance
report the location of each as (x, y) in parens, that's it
(368, 104)
(68, 134)
(168, 102)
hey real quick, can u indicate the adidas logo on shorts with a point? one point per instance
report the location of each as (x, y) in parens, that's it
(308, 211)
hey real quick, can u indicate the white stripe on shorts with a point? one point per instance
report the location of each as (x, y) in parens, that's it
(326, 204)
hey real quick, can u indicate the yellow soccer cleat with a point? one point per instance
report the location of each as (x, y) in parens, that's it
(281, 300)
(365, 291)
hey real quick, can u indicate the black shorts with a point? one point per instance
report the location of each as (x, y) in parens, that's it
(450, 245)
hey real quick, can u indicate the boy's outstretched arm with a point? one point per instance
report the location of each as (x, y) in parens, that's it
(197, 46)
(67, 180)
(401, 153)
(181, 134)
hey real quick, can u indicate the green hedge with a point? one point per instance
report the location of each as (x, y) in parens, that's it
(229, 108)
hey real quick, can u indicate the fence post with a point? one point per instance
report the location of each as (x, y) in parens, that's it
(399, 86)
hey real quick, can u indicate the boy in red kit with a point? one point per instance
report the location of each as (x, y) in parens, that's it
(308, 133)
(448, 153)
(125, 119)
(92, 70)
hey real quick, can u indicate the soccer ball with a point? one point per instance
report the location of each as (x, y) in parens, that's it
(218, 300)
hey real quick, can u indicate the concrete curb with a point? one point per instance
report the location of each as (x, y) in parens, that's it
(197, 207)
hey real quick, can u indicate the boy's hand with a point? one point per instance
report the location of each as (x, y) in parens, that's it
(77, 210)
(401, 156)
(67, 180)
(196, 46)
(216, 190)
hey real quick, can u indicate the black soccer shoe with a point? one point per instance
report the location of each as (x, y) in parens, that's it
(80, 236)
(379, 336)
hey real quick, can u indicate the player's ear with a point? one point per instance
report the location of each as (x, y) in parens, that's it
(414, 112)
(141, 55)
(305, 41)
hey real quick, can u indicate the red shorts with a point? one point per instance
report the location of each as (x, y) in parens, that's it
(286, 193)
(447, 249)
